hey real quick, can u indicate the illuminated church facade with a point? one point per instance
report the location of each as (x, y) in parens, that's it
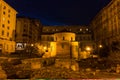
(67, 41)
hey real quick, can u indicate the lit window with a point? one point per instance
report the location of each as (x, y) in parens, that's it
(19, 45)
(87, 29)
(80, 29)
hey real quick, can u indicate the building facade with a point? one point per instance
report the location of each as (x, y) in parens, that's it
(106, 24)
(27, 32)
(67, 39)
(83, 34)
(7, 27)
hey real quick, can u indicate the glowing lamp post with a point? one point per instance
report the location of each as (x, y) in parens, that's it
(88, 48)
(32, 45)
(45, 48)
(100, 46)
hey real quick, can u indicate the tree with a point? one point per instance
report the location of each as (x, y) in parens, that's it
(104, 51)
(33, 51)
(115, 46)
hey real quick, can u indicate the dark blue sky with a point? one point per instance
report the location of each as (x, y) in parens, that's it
(59, 12)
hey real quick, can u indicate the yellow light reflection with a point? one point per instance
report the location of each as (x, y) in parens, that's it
(44, 48)
(88, 48)
(100, 46)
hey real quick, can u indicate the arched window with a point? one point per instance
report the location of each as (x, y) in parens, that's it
(63, 38)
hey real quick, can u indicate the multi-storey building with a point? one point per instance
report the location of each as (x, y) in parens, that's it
(27, 32)
(83, 34)
(106, 24)
(7, 27)
(80, 34)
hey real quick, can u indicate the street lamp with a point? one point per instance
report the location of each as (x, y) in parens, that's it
(88, 48)
(32, 45)
(45, 48)
(100, 46)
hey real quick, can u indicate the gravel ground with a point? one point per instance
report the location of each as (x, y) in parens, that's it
(53, 72)
(63, 73)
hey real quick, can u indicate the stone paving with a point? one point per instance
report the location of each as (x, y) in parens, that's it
(63, 73)
(18, 71)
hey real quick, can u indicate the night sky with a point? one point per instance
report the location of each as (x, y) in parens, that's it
(59, 12)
